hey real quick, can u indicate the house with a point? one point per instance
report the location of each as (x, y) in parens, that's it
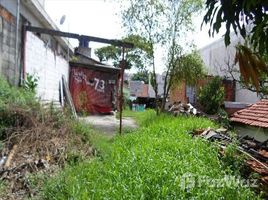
(93, 85)
(219, 61)
(252, 121)
(144, 93)
(138, 89)
(189, 94)
(23, 52)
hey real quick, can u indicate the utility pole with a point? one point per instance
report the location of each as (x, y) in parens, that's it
(122, 65)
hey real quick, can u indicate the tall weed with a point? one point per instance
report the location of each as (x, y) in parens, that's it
(151, 163)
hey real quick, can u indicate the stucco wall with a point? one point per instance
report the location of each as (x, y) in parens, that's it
(259, 134)
(44, 63)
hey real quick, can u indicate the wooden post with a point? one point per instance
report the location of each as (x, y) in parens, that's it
(122, 65)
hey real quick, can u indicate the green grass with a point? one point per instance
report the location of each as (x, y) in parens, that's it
(150, 163)
(142, 118)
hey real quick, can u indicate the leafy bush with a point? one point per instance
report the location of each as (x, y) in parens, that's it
(30, 82)
(10, 95)
(232, 160)
(151, 163)
(211, 96)
(223, 119)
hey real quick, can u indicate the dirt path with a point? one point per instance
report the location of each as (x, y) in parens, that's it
(109, 124)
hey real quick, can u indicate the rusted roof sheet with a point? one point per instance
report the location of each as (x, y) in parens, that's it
(254, 115)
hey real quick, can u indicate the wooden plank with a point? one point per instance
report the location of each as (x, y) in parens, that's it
(68, 96)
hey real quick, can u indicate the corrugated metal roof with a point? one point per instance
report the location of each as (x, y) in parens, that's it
(84, 61)
(254, 115)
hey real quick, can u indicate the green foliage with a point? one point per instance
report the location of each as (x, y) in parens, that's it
(189, 67)
(11, 97)
(136, 57)
(142, 118)
(2, 188)
(237, 15)
(141, 76)
(248, 18)
(109, 53)
(211, 96)
(166, 24)
(99, 142)
(30, 83)
(224, 119)
(232, 160)
(82, 128)
(150, 163)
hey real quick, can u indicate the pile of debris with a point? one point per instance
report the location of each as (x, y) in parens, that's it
(179, 108)
(36, 142)
(255, 151)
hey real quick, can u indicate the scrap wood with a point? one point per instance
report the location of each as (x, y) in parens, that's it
(258, 166)
(256, 152)
(265, 179)
(240, 149)
(198, 132)
(264, 153)
(10, 156)
(253, 158)
(211, 134)
(68, 96)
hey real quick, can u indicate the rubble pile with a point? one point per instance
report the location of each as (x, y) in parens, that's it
(255, 151)
(38, 142)
(179, 108)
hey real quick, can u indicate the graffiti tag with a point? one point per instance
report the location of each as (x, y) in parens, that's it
(98, 84)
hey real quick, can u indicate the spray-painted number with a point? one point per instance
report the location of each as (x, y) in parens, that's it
(99, 85)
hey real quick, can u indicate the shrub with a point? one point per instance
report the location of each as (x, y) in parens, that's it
(30, 82)
(12, 98)
(211, 96)
(42, 134)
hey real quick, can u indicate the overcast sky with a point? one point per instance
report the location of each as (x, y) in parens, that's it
(100, 18)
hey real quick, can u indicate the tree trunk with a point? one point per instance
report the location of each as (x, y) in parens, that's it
(155, 87)
(163, 104)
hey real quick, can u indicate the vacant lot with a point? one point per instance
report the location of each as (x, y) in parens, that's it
(109, 124)
(158, 161)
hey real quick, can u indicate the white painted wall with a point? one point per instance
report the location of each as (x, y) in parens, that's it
(216, 56)
(41, 61)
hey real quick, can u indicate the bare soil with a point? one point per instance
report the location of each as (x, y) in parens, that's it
(108, 124)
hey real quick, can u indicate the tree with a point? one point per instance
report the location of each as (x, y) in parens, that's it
(141, 76)
(188, 68)
(249, 18)
(211, 96)
(163, 23)
(136, 57)
(231, 71)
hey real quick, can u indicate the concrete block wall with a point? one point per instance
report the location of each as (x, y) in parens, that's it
(8, 67)
(45, 64)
